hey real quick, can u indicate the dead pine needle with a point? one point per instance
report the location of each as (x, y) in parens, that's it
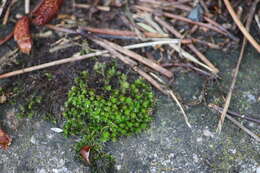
(244, 30)
(77, 57)
(235, 114)
(180, 106)
(249, 132)
(228, 99)
(204, 59)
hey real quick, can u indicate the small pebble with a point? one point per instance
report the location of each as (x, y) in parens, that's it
(57, 130)
(258, 169)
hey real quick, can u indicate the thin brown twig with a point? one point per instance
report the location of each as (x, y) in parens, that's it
(191, 46)
(129, 34)
(77, 57)
(249, 132)
(184, 19)
(8, 11)
(221, 28)
(210, 45)
(188, 66)
(244, 30)
(86, 6)
(235, 114)
(228, 99)
(134, 55)
(165, 5)
(3, 7)
(121, 32)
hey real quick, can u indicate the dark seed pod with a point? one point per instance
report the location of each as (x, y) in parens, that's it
(22, 35)
(46, 11)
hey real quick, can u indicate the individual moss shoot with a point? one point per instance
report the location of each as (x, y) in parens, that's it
(107, 106)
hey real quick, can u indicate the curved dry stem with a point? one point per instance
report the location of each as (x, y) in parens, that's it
(241, 26)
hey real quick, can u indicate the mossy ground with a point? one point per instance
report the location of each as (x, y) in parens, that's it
(102, 104)
(107, 109)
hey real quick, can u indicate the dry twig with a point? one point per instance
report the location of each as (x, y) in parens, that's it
(77, 57)
(101, 8)
(191, 46)
(184, 19)
(3, 7)
(240, 125)
(244, 30)
(134, 55)
(235, 114)
(122, 33)
(228, 99)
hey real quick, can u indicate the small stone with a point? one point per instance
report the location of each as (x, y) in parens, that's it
(118, 167)
(172, 155)
(207, 133)
(33, 140)
(61, 163)
(258, 169)
(199, 140)
(57, 130)
(153, 170)
(250, 97)
(233, 151)
(60, 170)
(195, 157)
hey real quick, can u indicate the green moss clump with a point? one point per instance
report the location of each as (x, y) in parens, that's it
(111, 108)
(29, 108)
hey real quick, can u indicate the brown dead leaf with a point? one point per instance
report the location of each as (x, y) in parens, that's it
(3, 99)
(5, 140)
(85, 153)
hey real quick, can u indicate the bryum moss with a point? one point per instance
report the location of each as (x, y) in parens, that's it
(115, 106)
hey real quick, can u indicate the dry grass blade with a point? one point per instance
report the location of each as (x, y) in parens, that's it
(180, 106)
(132, 54)
(77, 57)
(189, 57)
